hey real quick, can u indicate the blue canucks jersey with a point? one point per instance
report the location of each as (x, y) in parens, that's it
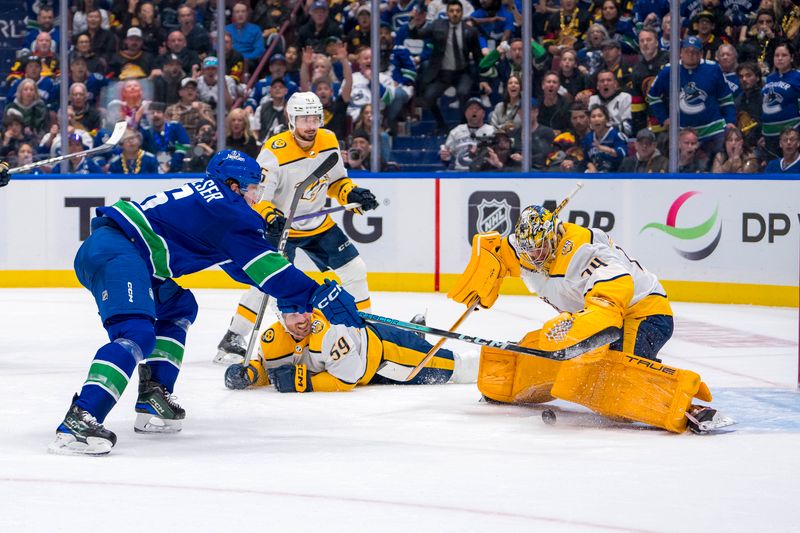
(603, 161)
(781, 107)
(706, 101)
(172, 140)
(190, 228)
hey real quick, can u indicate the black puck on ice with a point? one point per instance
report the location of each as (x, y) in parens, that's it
(549, 417)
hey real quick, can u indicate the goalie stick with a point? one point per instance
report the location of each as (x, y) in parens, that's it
(345, 207)
(113, 140)
(606, 336)
(320, 171)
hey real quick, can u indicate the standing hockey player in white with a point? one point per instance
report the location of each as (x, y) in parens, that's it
(287, 159)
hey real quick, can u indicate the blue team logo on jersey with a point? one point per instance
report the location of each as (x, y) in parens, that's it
(693, 99)
(773, 102)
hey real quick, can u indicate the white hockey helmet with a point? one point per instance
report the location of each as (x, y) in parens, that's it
(303, 104)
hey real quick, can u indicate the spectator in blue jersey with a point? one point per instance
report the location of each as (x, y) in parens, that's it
(493, 20)
(604, 147)
(649, 13)
(132, 159)
(781, 93)
(247, 39)
(78, 165)
(129, 262)
(790, 146)
(168, 141)
(706, 101)
(277, 69)
(727, 59)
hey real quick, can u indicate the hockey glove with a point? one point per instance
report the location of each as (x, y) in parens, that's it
(4, 177)
(275, 221)
(364, 197)
(237, 377)
(291, 378)
(338, 305)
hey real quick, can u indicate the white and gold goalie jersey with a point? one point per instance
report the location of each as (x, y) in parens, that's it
(587, 264)
(286, 164)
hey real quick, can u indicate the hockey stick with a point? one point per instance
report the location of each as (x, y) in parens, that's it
(345, 207)
(299, 190)
(396, 372)
(578, 186)
(116, 136)
(606, 336)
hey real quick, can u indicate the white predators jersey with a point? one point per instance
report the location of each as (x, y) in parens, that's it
(286, 165)
(338, 350)
(585, 258)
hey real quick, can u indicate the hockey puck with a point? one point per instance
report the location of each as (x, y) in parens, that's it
(549, 417)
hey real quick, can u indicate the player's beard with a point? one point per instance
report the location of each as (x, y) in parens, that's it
(305, 138)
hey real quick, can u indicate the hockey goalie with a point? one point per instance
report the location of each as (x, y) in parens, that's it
(596, 287)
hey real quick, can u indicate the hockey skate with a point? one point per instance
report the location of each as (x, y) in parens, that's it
(231, 349)
(704, 419)
(421, 319)
(156, 409)
(81, 434)
(465, 367)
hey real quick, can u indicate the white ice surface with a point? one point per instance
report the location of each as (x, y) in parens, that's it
(397, 458)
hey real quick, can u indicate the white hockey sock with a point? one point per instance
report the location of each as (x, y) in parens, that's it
(354, 280)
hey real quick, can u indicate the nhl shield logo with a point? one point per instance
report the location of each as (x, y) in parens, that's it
(492, 211)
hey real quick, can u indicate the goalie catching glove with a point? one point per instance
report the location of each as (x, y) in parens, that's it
(291, 378)
(484, 273)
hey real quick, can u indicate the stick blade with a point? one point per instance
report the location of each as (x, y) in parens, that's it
(327, 165)
(119, 131)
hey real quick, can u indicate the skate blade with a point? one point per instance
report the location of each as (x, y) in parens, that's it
(712, 426)
(66, 444)
(147, 423)
(227, 358)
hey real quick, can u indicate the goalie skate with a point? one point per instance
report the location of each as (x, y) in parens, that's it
(81, 434)
(157, 411)
(703, 419)
(231, 349)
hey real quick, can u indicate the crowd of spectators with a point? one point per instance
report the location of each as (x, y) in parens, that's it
(600, 80)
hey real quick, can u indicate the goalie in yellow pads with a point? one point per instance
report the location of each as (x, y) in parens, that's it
(594, 285)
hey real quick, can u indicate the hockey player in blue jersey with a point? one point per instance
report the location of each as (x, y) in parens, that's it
(128, 263)
(706, 101)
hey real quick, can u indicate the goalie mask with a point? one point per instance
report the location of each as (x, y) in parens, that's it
(536, 233)
(301, 105)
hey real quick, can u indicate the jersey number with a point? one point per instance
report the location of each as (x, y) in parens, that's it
(164, 196)
(593, 265)
(340, 350)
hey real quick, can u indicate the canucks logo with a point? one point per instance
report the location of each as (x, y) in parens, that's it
(278, 143)
(699, 233)
(772, 102)
(693, 99)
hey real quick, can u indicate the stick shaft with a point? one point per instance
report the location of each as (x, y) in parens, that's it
(346, 207)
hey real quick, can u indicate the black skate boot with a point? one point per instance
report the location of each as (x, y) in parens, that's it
(81, 434)
(420, 319)
(704, 419)
(157, 411)
(231, 349)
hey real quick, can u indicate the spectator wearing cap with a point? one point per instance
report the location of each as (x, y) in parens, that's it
(83, 51)
(177, 49)
(45, 23)
(32, 70)
(542, 137)
(566, 27)
(462, 141)
(617, 102)
(454, 58)
(86, 115)
(133, 159)
(271, 116)
(553, 107)
(29, 106)
(612, 60)
(104, 42)
(651, 61)
(277, 69)
(78, 165)
(196, 36)
(706, 100)
(246, 36)
(188, 110)
(359, 153)
(360, 34)
(167, 140)
(207, 84)
(316, 31)
(704, 26)
(132, 54)
(647, 159)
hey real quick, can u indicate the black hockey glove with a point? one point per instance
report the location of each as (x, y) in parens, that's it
(364, 197)
(275, 221)
(4, 176)
(290, 378)
(237, 377)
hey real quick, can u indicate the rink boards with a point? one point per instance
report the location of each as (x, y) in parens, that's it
(710, 240)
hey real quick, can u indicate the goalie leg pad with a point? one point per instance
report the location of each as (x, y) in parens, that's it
(621, 385)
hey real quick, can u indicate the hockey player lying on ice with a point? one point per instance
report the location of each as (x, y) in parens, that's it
(304, 352)
(594, 285)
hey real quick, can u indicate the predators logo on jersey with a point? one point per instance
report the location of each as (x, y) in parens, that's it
(278, 143)
(314, 190)
(268, 335)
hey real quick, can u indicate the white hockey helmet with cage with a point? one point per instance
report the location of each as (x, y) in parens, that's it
(303, 104)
